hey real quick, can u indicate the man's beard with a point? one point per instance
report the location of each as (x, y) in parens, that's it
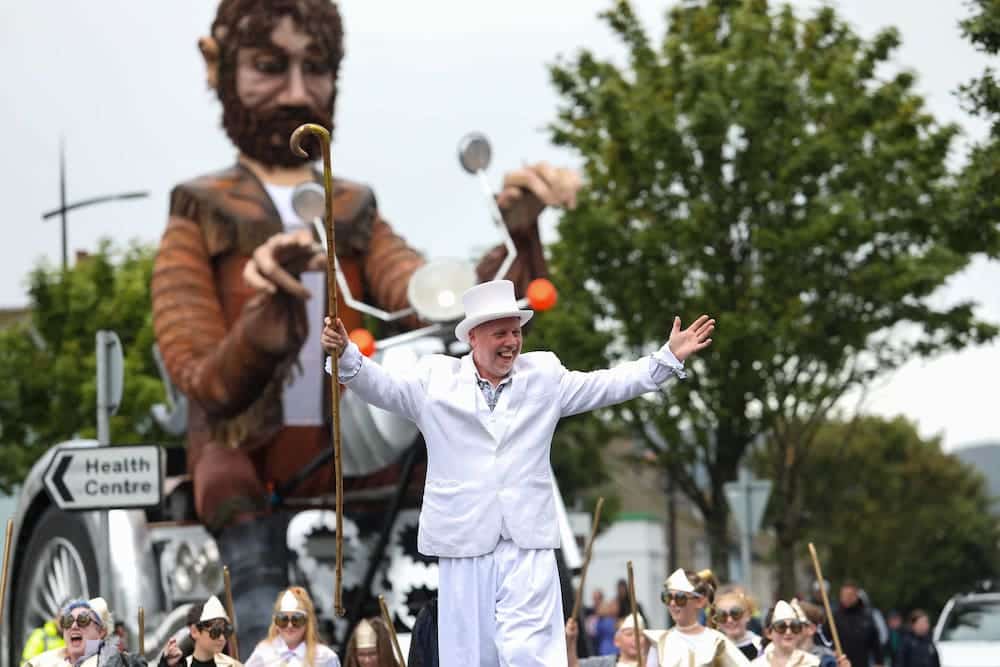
(263, 136)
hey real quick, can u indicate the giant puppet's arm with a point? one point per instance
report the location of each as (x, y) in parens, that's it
(387, 266)
(222, 365)
(526, 192)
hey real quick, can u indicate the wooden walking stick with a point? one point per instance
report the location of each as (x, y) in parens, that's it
(295, 142)
(636, 632)
(142, 631)
(586, 559)
(231, 611)
(6, 561)
(392, 630)
(826, 600)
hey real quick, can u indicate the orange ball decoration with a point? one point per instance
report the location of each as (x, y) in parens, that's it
(542, 294)
(364, 340)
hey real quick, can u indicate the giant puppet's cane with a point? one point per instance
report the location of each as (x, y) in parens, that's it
(826, 600)
(295, 142)
(586, 558)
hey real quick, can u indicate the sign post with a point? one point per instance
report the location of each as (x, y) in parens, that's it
(110, 381)
(747, 500)
(103, 478)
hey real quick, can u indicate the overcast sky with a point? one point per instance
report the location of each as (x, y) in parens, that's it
(123, 83)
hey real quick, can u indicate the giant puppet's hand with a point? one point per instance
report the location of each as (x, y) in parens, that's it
(693, 339)
(277, 263)
(528, 190)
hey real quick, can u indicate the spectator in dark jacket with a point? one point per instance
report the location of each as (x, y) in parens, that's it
(858, 634)
(917, 648)
(424, 640)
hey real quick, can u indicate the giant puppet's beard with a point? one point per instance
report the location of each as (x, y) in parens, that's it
(263, 136)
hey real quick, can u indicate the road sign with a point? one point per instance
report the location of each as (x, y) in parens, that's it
(102, 478)
(747, 501)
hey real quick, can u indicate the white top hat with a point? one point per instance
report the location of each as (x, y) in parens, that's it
(289, 602)
(364, 635)
(213, 609)
(100, 607)
(487, 302)
(678, 581)
(783, 612)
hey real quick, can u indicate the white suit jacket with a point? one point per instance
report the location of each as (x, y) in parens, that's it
(487, 470)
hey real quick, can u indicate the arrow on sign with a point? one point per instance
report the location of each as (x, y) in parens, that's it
(59, 482)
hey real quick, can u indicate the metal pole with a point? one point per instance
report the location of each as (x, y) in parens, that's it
(103, 390)
(671, 524)
(745, 540)
(62, 202)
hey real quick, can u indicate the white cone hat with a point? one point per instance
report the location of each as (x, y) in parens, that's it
(213, 609)
(783, 612)
(289, 603)
(678, 581)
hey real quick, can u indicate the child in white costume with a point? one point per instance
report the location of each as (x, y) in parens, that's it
(292, 640)
(785, 631)
(688, 643)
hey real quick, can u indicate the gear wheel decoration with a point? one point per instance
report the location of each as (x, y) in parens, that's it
(312, 540)
(410, 579)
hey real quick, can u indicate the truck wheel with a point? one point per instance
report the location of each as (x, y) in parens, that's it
(59, 565)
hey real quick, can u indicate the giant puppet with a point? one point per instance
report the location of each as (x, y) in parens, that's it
(237, 286)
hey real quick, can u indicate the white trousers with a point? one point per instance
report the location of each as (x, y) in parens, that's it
(503, 609)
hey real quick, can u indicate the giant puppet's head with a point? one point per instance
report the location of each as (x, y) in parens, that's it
(274, 66)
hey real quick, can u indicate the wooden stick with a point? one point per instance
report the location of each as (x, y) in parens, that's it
(392, 630)
(9, 536)
(231, 611)
(636, 632)
(586, 559)
(142, 631)
(826, 600)
(323, 135)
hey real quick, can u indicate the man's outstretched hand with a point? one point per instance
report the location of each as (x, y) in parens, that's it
(693, 339)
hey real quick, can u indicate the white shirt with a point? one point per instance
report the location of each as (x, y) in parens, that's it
(302, 397)
(276, 653)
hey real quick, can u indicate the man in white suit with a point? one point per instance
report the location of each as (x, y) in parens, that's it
(488, 511)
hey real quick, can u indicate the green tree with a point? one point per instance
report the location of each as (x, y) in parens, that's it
(979, 194)
(890, 509)
(49, 391)
(761, 168)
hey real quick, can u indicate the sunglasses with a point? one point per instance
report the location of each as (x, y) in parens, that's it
(82, 621)
(722, 615)
(216, 630)
(782, 627)
(679, 599)
(297, 620)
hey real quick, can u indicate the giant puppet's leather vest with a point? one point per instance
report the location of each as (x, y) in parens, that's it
(230, 349)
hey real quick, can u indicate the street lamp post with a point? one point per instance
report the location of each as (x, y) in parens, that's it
(65, 208)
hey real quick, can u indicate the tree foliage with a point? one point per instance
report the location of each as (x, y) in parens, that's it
(49, 391)
(979, 193)
(759, 167)
(891, 510)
